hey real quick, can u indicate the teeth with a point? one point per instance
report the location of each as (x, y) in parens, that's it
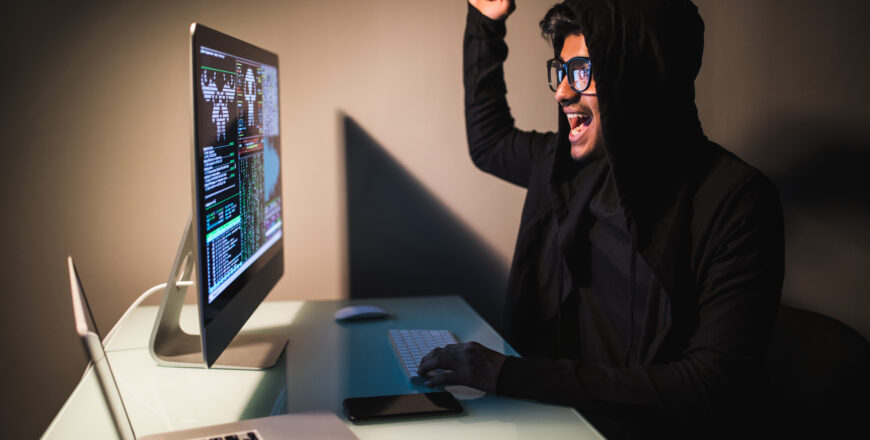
(578, 122)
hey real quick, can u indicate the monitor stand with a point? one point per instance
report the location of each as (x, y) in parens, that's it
(171, 346)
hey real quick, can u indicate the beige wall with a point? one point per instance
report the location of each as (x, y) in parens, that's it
(785, 85)
(97, 138)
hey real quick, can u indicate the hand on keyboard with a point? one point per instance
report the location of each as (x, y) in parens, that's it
(410, 346)
(468, 363)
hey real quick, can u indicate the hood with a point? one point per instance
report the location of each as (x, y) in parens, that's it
(645, 57)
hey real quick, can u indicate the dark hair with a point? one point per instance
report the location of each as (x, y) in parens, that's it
(559, 23)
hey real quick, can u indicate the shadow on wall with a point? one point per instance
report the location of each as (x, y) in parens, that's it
(822, 171)
(816, 165)
(403, 242)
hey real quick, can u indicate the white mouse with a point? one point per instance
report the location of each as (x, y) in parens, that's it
(360, 312)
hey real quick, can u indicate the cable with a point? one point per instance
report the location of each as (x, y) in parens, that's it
(139, 301)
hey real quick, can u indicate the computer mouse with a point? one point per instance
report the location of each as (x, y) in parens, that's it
(351, 313)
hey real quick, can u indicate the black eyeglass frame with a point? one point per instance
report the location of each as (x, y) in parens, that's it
(563, 69)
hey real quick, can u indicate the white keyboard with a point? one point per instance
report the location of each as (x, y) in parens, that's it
(411, 345)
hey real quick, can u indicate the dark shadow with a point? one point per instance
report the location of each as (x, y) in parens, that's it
(814, 164)
(404, 242)
(268, 397)
(819, 374)
(821, 168)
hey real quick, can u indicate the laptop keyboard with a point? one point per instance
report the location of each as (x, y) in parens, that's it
(411, 345)
(241, 435)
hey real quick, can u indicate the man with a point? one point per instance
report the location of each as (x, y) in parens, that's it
(649, 262)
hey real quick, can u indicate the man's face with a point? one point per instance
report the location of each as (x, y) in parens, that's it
(581, 108)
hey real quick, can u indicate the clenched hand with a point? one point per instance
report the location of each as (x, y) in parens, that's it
(468, 363)
(494, 9)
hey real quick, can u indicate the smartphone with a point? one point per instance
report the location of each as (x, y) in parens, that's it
(361, 409)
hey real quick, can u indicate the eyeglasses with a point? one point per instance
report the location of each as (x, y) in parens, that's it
(577, 69)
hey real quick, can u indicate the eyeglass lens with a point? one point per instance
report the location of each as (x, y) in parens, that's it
(578, 70)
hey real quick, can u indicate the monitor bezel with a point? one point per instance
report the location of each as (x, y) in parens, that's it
(252, 286)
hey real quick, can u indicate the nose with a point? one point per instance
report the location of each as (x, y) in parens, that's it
(565, 95)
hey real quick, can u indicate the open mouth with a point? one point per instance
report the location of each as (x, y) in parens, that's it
(579, 123)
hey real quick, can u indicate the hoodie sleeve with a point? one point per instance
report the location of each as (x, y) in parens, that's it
(495, 145)
(721, 366)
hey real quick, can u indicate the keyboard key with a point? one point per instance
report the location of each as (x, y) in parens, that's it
(410, 346)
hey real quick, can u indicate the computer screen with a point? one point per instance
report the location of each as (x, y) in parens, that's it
(237, 181)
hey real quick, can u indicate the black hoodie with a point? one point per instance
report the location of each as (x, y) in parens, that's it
(645, 282)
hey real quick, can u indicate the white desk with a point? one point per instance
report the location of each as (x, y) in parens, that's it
(324, 362)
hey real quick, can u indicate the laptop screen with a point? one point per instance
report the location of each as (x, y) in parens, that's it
(87, 329)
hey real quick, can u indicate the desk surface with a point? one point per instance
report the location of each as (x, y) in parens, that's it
(324, 362)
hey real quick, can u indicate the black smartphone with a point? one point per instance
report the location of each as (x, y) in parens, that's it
(361, 409)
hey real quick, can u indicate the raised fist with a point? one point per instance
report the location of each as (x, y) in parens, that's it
(494, 9)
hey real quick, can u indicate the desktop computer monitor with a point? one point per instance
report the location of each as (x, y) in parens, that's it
(234, 238)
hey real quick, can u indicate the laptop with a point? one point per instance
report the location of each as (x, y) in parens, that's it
(304, 425)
